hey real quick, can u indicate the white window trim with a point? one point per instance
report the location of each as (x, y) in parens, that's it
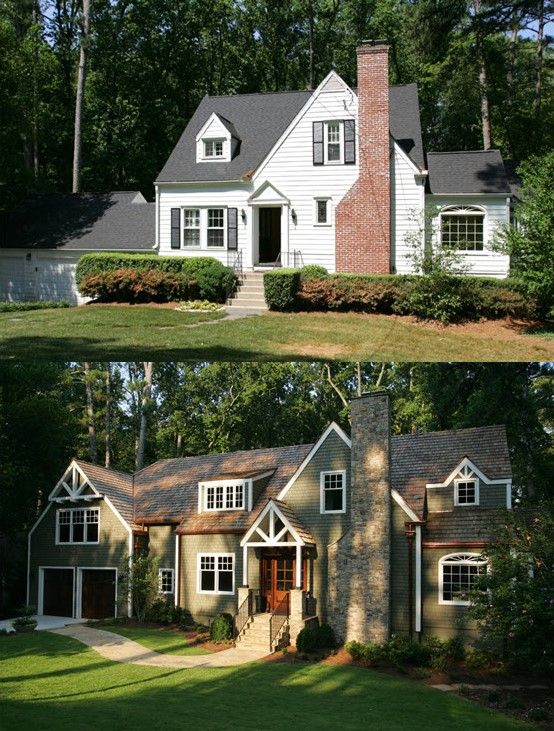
(475, 481)
(447, 559)
(216, 556)
(166, 571)
(322, 492)
(327, 200)
(203, 228)
(75, 543)
(203, 495)
(469, 210)
(189, 228)
(214, 158)
(326, 160)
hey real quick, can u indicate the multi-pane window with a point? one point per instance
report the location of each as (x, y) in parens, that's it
(467, 492)
(462, 228)
(322, 211)
(216, 219)
(165, 581)
(191, 227)
(333, 492)
(225, 497)
(333, 141)
(79, 525)
(457, 575)
(216, 573)
(213, 148)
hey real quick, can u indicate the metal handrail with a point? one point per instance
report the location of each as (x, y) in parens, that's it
(237, 264)
(278, 618)
(243, 615)
(297, 259)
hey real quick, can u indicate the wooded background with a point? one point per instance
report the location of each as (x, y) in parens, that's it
(483, 67)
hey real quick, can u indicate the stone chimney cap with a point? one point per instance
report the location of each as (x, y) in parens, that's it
(370, 394)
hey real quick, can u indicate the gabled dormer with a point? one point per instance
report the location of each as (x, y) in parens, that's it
(231, 492)
(467, 486)
(217, 140)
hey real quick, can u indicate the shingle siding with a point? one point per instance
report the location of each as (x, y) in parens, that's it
(400, 622)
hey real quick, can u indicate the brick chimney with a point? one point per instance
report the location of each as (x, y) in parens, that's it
(359, 563)
(363, 216)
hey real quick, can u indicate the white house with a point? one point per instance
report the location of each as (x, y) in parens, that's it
(336, 177)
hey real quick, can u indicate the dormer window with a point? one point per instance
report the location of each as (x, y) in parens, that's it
(466, 492)
(225, 495)
(213, 148)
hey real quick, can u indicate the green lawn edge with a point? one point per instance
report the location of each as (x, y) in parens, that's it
(166, 641)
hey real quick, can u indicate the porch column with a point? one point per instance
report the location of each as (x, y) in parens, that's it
(245, 565)
(298, 578)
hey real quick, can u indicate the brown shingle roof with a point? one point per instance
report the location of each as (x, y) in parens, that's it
(117, 486)
(418, 459)
(168, 489)
(474, 524)
(290, 515)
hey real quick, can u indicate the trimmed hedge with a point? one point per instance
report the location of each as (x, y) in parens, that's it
(281, 288)
(444, 298)
(315, 638)
(206, 277)
(399, 650)
(25, 306)
(132, 285)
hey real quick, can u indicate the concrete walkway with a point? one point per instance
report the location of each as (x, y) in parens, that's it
(43, 622)
(120, 649)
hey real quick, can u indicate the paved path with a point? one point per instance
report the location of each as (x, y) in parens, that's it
(120, 649)
(43, 622)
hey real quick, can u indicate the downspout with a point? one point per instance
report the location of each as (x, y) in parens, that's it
(410, 535)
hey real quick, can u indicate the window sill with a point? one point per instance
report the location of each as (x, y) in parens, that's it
(217, 593)
(454, 603)
(333, 512)
(323, 225)
(81, 543)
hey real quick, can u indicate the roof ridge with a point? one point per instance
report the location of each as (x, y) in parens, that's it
(464, 152)
(259, 93)
(449, 431)
(102, 467)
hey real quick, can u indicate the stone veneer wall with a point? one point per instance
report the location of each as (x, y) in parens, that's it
(359, 562)
(362, 218)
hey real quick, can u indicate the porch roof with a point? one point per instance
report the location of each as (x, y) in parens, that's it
(289, 518)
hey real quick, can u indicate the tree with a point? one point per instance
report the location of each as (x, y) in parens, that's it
(513, 602)
(530, 242)
(81, 77)
(139, 579)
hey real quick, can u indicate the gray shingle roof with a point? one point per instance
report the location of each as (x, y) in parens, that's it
(259, 121)
(479, 171)
(116, 221)
(116, 486)
(418, 459)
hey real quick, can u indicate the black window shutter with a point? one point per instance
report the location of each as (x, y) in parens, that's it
(175, 228)
(349, 141)
(232, 238)
(318, 143)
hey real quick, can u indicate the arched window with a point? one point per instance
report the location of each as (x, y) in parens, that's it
(457, 574)
(462, 227)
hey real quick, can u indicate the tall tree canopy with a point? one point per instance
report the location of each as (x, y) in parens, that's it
(483, 67)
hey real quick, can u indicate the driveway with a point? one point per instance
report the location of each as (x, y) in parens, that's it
(44, 622)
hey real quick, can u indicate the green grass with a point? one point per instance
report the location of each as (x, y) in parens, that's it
(126, 333)
(49, 681)
(168, 641)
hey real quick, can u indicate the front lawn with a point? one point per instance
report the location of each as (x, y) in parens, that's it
(160, 639)
(125, 333)
(50, 681)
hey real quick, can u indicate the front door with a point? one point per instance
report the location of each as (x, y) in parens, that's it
(278, 575)
(269, 235)
(98, 599)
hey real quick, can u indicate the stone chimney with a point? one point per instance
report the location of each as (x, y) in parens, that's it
(359, 563)
(362, 217)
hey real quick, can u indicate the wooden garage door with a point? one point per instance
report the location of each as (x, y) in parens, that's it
(58, 592)
(98, 599)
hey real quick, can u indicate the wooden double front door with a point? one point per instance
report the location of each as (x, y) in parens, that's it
(278, 577)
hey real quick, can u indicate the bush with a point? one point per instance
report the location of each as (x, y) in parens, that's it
(307, 640)
(164, 611)
(443, 653)
(25, 622)
(203, 277)
(221, 629)
(313, 271)
(130, 285)
(25, 306)
(433, 298)
(280, 288)
(404, 651)
(344, 292)
(368, 652)
(326, 636)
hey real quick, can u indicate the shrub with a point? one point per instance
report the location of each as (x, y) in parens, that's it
(404, 651)
(368, 652)
(343, 292)
(280, 288)
(443, 653)
(354, 649)
(307, 640)
(326, 636)
(205, 277)
(25, 306)
(163, 611)
(221, 628)
(25, 622)
(313, 271)
(129, 285)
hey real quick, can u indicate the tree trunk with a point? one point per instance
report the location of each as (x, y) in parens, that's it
(510, 79)
(108, 426)
(483, 82)
(36, 15)
(540, 60)
(81, 75)
(144, 408)
(90, 416)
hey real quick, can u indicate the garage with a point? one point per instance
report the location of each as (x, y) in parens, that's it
(98, 593)
(57, 593)
(38, 275)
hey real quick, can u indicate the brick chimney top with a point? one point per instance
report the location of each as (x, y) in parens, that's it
(373, 42)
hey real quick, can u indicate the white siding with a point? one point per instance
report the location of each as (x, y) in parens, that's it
(486, 263)
(408, 217)
(214, 195)
(214, 130)
(38, 275)
(290, 169)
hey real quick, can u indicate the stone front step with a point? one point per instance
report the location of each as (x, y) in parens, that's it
(255, 634)
(250, 292)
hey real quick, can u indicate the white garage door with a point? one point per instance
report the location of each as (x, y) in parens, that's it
(40, 275)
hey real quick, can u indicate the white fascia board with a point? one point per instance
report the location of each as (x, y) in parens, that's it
(333, 427)
(39, 519)
(73, 465)
(272, 506)
(301, 113)
(404, 155)
(466, 462)
(214, 117)
(118, 515)
(399, 500)
(278, 198)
